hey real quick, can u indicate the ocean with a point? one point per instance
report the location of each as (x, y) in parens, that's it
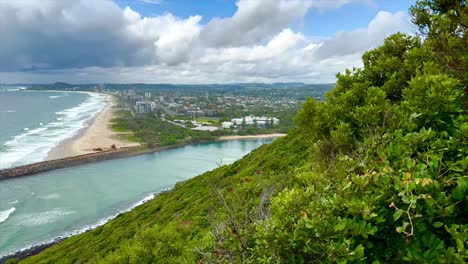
(40, 208)
(34, 122)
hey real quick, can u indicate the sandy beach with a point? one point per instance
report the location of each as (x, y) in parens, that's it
(97, 135)
(275, 135)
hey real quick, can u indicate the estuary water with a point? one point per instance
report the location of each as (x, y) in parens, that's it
(33, 122)
(40, 208)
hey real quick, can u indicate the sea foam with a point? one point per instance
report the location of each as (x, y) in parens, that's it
(5, 214)
(33, 144)
(45, 217)
(49, 196)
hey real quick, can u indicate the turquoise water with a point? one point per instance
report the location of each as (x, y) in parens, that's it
(39, 208)
(33, 122)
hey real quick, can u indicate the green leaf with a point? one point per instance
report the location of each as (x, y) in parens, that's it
(438, 224)
(409, 163)
(397, 214)
(461, 190)
(340, 226)
(460, 245)
(347, 186)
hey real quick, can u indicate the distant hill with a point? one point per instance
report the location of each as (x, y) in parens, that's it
(165, 86)
(289, 90)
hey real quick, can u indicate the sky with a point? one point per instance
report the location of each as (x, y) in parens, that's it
(188, 42)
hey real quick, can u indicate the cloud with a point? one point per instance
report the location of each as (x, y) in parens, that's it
(171, 38)
(88, 33)
(277, 46)
(57, 34)
(152, 1)
(257, 20)
(359, 40)
(331, 4)
(97, 41)
(254, 21)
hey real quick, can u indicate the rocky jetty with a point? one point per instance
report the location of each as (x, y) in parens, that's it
(110, 154)
(49, 165)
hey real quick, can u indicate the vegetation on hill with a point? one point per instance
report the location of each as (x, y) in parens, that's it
(176, 224)
(377, 173)
(154, 131)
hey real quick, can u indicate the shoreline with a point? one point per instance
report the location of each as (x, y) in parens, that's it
(96, 134)
(38, 248)
(127, 152)
(93, 158)
(236, 137)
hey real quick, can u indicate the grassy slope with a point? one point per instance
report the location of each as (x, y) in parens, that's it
(189, 202)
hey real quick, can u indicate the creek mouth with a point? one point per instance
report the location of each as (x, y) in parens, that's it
(56, 204)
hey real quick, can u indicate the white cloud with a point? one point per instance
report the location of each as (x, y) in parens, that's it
(330, 4)
(152, 1)
(277, 46)
(171, 37)
(254, 21)
(96, 41)
(359, 40)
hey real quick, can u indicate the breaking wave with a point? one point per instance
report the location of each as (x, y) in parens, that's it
(33, 144)
(5, 214)
(42, 218)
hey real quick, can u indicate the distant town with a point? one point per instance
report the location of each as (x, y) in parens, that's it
(233, 107)
(219, 112)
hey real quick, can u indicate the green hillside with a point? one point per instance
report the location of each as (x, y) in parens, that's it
(172, 225)
(378, 173)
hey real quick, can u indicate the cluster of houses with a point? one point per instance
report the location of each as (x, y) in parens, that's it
(235, 123)
(192, 107)
(199, 126)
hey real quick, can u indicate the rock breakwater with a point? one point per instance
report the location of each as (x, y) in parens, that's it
(49, 165)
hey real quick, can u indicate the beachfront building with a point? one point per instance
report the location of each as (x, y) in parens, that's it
(227, 125)
(255, 120)
(203, 126)
(263, 121)
(142, 108)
